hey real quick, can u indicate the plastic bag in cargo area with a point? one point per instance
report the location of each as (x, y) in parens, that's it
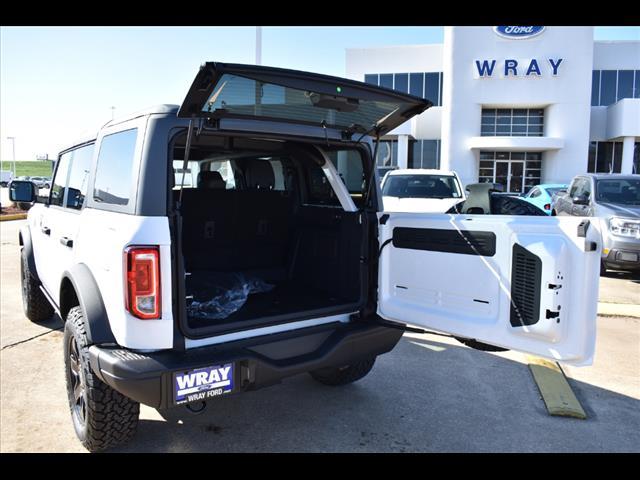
(218, 295)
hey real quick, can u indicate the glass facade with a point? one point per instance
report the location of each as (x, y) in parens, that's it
(512, 122)
(517, 172)
(387, 156)
(605, 157)
(422, 84)
(609, 86)
(424, 154)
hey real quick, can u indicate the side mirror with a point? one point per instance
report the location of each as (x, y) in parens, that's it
(581, 200)
(22, 191)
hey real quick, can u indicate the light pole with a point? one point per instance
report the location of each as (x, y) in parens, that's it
(13, 148)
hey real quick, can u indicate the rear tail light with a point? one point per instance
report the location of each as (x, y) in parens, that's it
(142, 279)
(547, 206)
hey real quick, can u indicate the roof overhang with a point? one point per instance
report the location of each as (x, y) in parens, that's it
(515, 144)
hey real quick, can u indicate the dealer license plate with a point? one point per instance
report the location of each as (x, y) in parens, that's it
(202, 383)
(628, 257)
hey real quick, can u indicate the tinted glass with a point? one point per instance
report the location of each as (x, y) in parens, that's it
(371, 78)
(625, 84)
(553, 191)
(595, 88)
(432, 87)
(591, 163)
(636, 85)
(421, 186)
(622, 192)
(386, 80)
(244, 96)
(402, 82)
(416, 84)
(387, 155)
(608, 87)
(60, 180)
(79, 177)
(349, 165)
(440, 91)
(319, 189)
(115, 168)
(430, 154)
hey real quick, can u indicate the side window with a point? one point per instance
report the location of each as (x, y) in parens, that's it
(348, 163)
(575, 187)
(79, 177)
(59, 184)
(225, 169)
(535, 193)
(319, 191)
(586, 188)
(114, 169)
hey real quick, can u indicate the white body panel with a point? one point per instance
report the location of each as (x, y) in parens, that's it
(470, 295)
(419, 205)
(100, 238)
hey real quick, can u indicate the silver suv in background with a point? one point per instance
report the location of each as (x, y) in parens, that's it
(615, 200)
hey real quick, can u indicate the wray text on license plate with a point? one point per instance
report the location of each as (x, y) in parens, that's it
(203, 383)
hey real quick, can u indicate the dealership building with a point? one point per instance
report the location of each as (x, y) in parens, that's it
(512, 105)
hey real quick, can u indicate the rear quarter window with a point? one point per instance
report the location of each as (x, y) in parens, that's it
(114, 170)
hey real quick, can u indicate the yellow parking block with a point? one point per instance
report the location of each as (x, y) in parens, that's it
(555, 389)
(13, 216)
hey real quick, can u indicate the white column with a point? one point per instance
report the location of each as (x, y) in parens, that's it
(628, 144)
(403, 151)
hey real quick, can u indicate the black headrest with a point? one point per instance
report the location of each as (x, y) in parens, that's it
(259, 175)
(211, 180)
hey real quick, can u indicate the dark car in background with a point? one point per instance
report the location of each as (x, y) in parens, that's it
(615, 200)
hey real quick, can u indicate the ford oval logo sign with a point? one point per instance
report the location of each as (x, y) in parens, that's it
(518, 32)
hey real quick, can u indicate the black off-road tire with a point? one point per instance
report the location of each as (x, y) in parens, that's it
(35, 305)
(102, 417)
(344, 375)
(485, 347)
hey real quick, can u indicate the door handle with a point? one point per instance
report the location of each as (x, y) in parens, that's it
(45, 230)
(66, 241)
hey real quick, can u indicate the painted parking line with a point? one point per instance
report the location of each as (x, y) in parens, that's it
(555, 389)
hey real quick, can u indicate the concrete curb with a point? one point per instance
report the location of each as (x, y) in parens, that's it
(618, 309)
(13, 216)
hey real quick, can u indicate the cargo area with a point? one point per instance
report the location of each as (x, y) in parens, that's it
(264, 237)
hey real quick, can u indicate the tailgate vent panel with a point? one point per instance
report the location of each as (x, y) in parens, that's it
(526, 282)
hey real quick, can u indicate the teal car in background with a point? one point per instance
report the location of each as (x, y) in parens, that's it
(541, 195)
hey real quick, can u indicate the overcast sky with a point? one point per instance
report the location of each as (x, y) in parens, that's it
(57, 82)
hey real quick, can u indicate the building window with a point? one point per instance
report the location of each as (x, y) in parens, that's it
(609, 86)
(424, 154)
(636, 158)
(387, 156)
(512, 122)
(605, 157)
(517, 172)
(421, 84)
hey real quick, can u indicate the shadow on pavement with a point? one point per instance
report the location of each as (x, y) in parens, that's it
(423, 396)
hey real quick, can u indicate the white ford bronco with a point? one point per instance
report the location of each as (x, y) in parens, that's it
(238, 239)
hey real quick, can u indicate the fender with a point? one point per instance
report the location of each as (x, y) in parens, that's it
(24, 238)
(90, 300)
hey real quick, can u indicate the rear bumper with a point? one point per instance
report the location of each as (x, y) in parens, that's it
(258, 362)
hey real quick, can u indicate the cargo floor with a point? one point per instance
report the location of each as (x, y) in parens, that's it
(285, 298)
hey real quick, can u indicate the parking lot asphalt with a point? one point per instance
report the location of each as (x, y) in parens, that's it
(430, 394)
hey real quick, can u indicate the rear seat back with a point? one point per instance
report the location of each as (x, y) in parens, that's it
(265, 213)
(236, 229)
